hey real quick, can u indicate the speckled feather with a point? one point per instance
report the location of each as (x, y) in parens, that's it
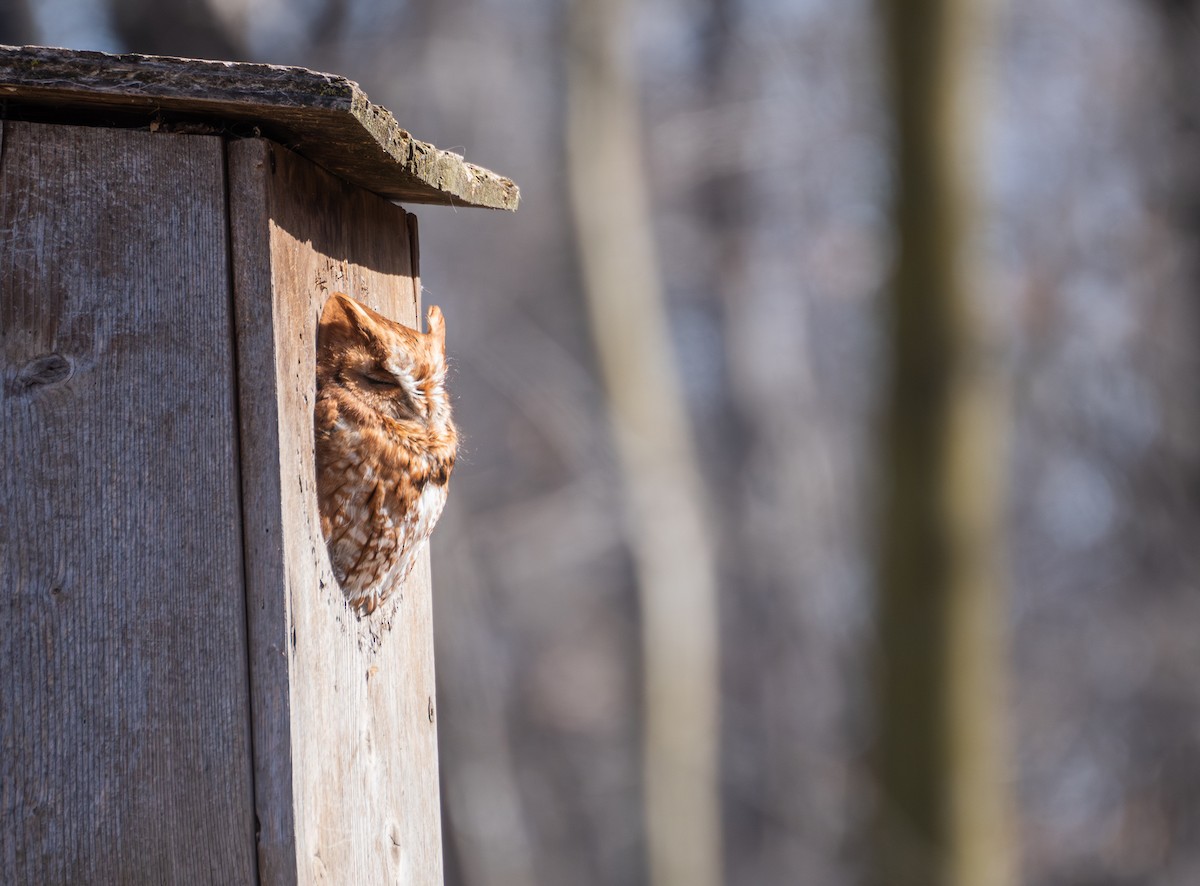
(385, 444)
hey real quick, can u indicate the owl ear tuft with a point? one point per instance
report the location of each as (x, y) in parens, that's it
(342, 307)
(437, 326)
(356, 319)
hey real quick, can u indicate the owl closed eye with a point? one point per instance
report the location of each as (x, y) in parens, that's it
(385, 444)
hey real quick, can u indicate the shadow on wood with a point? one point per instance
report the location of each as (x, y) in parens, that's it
(187, 695)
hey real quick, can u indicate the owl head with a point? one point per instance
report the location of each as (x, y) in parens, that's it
(383, 366)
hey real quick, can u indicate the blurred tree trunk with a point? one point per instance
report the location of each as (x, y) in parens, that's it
(185, 27)
(672, 549)
(943, 816)
(329, 23)
(1179, 21)
(16, 25)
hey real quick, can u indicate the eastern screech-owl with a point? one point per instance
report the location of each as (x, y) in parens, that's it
(385, 444)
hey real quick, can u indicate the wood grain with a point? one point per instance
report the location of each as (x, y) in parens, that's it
(326, 118)
(344, 735)
(123, 693)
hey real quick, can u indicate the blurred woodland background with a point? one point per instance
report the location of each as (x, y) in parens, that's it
(675, 370)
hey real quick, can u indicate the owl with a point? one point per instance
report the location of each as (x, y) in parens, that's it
(385, 444)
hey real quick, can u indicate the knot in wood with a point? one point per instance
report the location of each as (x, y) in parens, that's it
(49, 369)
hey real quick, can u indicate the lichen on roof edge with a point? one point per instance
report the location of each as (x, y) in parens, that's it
(324, 117)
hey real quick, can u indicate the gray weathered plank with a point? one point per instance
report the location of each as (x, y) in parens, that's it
(345, 742)
(123, 697)
(320, 116)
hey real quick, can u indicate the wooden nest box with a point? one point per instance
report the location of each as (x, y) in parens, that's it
(185, 695)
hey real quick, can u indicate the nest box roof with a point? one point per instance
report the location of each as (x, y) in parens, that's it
(323, 117)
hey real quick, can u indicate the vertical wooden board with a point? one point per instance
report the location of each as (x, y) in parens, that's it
(350, 787)
(123, 692)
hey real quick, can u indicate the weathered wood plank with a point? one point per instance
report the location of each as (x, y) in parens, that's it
(325, 118)
(123, 691)
(345, 741)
